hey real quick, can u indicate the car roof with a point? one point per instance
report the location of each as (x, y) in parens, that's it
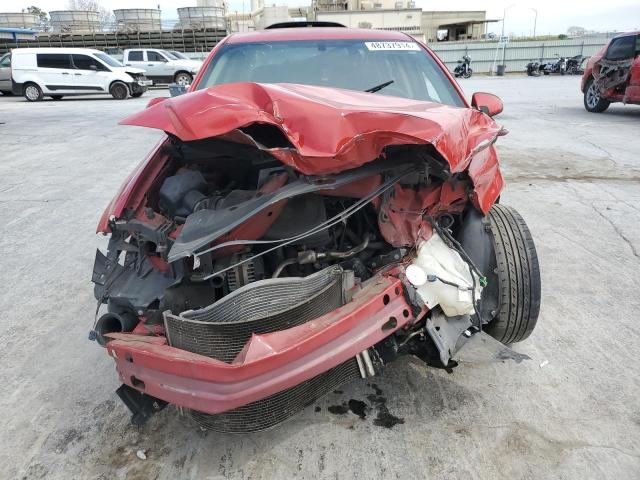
(318, 33)
(56, 50)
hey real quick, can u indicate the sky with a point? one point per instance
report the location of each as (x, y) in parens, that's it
(554, 16)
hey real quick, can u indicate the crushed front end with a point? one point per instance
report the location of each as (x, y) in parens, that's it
(275, 246)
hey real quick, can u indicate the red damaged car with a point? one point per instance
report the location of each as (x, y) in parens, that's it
(324, 201)
(613, 74)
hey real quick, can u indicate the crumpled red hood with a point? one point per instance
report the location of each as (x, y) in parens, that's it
(330, 129)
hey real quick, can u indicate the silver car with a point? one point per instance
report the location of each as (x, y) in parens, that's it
(5, 74)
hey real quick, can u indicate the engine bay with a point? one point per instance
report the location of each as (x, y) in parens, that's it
(222, 215)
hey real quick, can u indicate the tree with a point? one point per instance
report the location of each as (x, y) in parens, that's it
(104, 15)
(43, 18)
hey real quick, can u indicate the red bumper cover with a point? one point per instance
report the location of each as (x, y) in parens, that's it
(269, 363)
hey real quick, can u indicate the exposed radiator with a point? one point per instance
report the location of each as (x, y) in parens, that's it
(272, 410)
(222, 329)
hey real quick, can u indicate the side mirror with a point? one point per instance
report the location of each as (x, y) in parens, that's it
(155, 101)
(487, 103)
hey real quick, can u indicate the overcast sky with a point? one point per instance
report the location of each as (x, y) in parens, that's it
(554, 16)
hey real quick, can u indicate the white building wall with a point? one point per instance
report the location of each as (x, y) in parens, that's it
(407, 20)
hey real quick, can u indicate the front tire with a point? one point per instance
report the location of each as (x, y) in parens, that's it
(593, 102)
(518, 272)
(183, 78)
(32, 92)
(119, 91)
(468, 73)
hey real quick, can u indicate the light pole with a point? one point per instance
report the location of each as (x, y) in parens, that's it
(504, 14)
(535, 21)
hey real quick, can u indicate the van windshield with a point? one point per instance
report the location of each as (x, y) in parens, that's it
(112, 62)
(351, 64)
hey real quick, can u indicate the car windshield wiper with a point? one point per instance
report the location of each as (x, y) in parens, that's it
(379, 87)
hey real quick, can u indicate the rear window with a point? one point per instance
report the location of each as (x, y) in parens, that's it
(54, 60)
(135, 56)
(622, 48)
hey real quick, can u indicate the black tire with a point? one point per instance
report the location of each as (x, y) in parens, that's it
(119, 91)
(32, 92)
(137, 94)
(468, 73)
(518, 272)
(183, 78)
(592, 101)
(57, 97)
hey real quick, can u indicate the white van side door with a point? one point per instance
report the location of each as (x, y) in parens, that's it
(56, 72)
(90, 75)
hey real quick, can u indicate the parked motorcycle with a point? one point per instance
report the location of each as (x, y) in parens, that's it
(464, 68)
(559, 66)
(574, 65)
(533, 68)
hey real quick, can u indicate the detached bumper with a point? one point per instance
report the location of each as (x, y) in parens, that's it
(269, 363)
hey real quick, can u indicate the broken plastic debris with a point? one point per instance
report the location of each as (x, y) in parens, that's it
(141, 455)
(544, 364)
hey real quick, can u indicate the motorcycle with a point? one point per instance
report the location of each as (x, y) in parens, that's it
(559, 66)
(574, 65)
(464, 68)
(533, 68)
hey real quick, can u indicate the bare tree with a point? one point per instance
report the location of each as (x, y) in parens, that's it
(104, 14)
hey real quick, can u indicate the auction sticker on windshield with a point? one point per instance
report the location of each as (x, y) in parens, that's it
(392, 46)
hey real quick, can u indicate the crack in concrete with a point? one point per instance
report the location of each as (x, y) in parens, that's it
(618, 231)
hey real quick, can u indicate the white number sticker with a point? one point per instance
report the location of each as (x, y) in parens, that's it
(392, 46)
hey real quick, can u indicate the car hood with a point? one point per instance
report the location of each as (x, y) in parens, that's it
(133, 70)
(327, 129)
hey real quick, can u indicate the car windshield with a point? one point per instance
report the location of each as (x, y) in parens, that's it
(179, 55)
(112, 62)
(169, 55)
(350, 64)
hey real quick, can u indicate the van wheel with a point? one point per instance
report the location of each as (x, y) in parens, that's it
(119, 91)
(518, 276)
(57, 97)
(593, 102)
(183, 78)
(32, 92)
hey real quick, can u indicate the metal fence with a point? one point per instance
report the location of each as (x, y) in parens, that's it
(516, 54)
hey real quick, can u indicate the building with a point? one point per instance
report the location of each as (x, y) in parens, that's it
(430, 26)
(408, 20)
(454, 25)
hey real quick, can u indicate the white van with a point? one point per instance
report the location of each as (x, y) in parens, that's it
(57, 72)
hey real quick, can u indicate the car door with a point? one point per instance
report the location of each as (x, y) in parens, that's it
(159, 65)
(135, 58)
(90, 74)
(56, 72)
(5, 73)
